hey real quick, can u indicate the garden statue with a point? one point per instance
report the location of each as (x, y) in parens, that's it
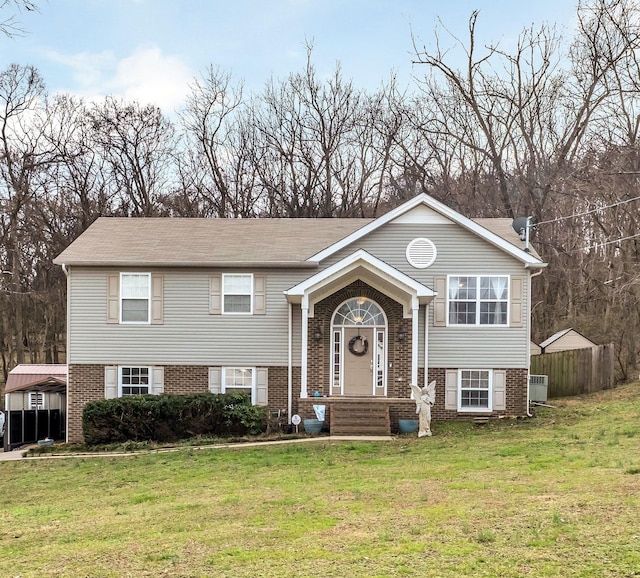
(424, 399)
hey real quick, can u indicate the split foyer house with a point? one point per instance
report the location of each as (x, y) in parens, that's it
(351, 311)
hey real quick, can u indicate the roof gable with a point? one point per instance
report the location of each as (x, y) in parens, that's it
(563, 334)
(425, 209)
(422, 215)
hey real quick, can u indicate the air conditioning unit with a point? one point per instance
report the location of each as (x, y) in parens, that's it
(538, 386)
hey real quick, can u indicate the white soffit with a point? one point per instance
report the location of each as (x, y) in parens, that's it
(422, 215)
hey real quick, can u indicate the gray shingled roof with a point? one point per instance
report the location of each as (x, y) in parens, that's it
(114, 241)
(205, 242)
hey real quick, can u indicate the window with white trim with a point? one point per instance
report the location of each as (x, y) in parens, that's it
(239, 379)
(474, 390)
(237, 293)
(135, 297)
(134, 380)
(478, 300)
(36, 400)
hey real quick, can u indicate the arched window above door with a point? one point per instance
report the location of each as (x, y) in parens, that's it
(359, 311)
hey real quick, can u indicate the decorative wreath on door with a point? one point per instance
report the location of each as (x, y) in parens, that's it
(359, 345)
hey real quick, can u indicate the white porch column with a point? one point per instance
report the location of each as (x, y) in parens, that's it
(415, 309)
(290, 366)
(303, 360)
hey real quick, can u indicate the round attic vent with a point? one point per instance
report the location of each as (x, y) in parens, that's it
(421, 253)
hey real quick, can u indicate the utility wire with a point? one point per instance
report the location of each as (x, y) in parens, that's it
(596, 245)
(586, 212)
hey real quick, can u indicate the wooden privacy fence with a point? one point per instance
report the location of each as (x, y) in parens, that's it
(576, 371)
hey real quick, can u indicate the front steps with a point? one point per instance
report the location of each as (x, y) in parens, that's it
(359, 417)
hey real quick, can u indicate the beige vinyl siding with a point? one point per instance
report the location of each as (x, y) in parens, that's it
(459, 252)
(189, 334)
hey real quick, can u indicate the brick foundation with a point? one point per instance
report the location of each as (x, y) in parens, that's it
(86, 383)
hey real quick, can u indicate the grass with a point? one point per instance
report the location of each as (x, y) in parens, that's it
(554, 496)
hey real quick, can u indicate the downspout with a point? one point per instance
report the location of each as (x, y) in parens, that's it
(531, 276)
(67, 274)
(290, 366)
(7, 421)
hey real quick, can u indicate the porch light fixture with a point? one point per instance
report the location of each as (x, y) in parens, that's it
(402, 334)
(317, 332)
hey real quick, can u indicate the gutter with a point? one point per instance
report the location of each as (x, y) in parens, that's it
(197, 264)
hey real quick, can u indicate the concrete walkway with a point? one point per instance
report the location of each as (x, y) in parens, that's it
(8, 456)
(20, 454)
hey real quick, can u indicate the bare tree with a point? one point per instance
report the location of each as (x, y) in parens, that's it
(137, 143)
(9, 25)
(215, 165)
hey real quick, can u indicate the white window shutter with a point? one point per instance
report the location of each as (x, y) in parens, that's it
(157, 380)
(440, 302)
(215, 374)
(516, 295)
(110, 381)
(215, 294)
(113, 298)
(262, 382)
(259, 295)
(499, 390)
(451, 389)
(157, 299)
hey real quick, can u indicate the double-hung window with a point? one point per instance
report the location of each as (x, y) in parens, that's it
(478, 300)
(135, 297)
(237, 293)
(239, 379)
(475, 390)
(134, 380)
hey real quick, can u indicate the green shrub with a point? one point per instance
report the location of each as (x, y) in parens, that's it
(168, 418)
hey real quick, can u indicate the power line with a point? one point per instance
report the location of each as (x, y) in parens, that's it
(587, 212)
(596, 245)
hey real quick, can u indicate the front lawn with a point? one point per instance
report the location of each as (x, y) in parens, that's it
(554, 496)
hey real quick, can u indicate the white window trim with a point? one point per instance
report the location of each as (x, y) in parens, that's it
(121, 298)
(149, 385)
(223, 385)
(251, 293)
(36, 405)
(478, 301)
(488, 409)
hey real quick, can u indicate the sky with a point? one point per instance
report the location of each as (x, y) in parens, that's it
(151, 50)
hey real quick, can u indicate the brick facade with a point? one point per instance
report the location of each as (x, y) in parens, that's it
(402, 407)
(86, 383)
(399, 352)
